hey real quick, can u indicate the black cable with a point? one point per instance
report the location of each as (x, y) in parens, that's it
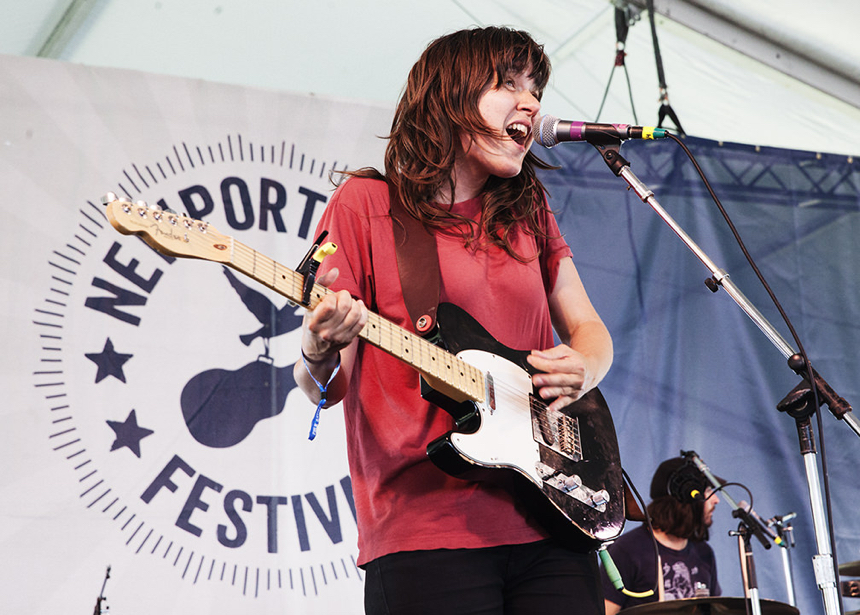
(807, 363)
(648, 524)
(661, 76)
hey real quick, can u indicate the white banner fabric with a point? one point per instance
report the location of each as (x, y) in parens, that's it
(150, 419)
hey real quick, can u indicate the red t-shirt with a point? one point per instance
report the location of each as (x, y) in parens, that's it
(403, 501)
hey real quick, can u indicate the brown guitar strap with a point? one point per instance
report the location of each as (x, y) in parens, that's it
(418, 264)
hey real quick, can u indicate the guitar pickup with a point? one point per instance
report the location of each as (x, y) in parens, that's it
(491, 393)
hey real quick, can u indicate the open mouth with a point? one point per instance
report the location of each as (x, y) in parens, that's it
(518, 132)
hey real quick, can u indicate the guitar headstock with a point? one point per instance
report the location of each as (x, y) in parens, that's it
(169, 233)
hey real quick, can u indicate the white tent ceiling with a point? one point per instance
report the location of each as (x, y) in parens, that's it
(782, 73)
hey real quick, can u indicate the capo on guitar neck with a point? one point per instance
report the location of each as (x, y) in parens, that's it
(311, 262)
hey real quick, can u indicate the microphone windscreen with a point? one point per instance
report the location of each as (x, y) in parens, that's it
(545, 131)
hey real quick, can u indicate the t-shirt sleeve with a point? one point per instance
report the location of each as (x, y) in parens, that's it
(553, 249)
(346, 220)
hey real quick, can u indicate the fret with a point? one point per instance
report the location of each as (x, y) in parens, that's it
(441, 360)
(448, 369)
(423, 356)
(412, 347)
(428, 359)
(383, 335)
(396, 341)
(405, 345)
(474, 380)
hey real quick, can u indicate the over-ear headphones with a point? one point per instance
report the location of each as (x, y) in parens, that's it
(687, 484)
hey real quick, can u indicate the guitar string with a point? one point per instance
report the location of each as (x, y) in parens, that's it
(409, 347)
(538, 407)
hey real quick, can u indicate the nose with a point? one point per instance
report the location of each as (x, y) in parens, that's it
(528, 102)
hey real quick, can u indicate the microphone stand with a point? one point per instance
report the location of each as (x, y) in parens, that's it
(748, 526)
(797, 404)
(101, 602)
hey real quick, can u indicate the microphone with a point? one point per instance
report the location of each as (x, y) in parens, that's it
(549, 131)
(781, 519)
(763, 525)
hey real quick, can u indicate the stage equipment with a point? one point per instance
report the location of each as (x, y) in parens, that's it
(102, 607)
(801, 403)
(721, 605)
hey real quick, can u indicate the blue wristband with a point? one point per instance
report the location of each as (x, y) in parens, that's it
(323, 388)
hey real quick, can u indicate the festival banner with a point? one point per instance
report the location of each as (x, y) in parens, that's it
(153, 432)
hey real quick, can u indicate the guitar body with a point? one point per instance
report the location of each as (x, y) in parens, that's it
(562, 465)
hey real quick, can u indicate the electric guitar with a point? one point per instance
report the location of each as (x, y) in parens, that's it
(564, 465)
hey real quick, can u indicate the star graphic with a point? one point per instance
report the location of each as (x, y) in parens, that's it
(109, 361)
(128, 433)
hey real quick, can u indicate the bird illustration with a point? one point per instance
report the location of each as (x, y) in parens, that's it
(273, 321)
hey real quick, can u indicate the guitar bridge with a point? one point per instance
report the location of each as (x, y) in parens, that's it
(559, 432)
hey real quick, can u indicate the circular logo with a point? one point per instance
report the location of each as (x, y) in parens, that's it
(167, 374)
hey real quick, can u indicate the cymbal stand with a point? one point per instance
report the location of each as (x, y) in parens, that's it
(747, 567)
(823, 563)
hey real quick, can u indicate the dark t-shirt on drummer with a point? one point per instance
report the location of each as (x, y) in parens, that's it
(690, 572)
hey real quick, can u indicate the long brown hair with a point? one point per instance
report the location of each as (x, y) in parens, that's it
(438, 104)
(681, 519)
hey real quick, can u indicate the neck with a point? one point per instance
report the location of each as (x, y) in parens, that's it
(468, 183)
(461, 193)
(670, 541)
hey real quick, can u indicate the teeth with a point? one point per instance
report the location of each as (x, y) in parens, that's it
(517, 129)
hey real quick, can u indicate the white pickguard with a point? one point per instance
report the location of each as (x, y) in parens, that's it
(505, 436)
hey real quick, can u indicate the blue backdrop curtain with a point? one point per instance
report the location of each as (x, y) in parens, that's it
(691, 370)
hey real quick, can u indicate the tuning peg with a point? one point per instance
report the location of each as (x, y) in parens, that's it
(142, 204)
(108, 197)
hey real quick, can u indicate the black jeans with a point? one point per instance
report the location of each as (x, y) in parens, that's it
(536, 578)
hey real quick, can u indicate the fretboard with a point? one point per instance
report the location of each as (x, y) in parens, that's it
(434, 363)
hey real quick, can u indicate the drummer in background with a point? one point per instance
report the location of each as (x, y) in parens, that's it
(680, 524)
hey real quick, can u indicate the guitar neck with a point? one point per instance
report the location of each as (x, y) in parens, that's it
(443, 370)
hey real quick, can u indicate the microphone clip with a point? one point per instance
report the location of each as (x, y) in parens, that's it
(749, 524)
(610, 150)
